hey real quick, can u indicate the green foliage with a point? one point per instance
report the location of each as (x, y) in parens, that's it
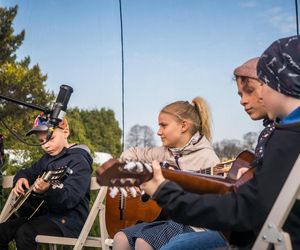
(96, 128)
(9, 42)
(19, 81)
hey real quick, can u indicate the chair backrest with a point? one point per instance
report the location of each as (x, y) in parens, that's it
(271, 232)
(98, 208)
(7, 182)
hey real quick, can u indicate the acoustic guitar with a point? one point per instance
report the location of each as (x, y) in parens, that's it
(114, 173)
(29, 204)
(145, 210)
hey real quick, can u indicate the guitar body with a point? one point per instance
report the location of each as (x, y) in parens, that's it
(27, 206)
(243, 160)
(135, 210)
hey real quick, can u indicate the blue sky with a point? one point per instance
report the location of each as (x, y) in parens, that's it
(174, 50)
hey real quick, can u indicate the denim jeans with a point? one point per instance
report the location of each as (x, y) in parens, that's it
(197, 241)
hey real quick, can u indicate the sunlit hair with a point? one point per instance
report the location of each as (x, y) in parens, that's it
(196, 113)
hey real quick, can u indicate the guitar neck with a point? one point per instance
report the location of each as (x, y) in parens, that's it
(206, 171)
(199, 183)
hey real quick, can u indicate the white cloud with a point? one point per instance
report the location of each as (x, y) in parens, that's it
(248, 4)
(281, 19)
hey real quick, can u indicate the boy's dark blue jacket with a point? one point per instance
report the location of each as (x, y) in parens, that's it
(242, 212)
(68, 206)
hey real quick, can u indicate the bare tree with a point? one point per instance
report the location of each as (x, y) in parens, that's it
(140, 136)
(250, 140)
(133, 137)
(228, 149)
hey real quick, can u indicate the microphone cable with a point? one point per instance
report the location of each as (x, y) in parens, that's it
(297, 17)
(19, 138)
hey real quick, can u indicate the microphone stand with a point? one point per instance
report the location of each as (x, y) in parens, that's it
(59, 106)
(32, 106)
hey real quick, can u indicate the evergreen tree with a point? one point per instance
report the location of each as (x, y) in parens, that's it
(20, 81)
(9, 42)
(97, 128)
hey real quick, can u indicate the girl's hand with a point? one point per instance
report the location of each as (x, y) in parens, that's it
(40, 186)
(151, 186)
(19, 187)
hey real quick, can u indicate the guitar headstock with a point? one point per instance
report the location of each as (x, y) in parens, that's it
(121, 174)
(55, 177)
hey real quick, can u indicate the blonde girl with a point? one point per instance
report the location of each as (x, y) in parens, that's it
(185, 132)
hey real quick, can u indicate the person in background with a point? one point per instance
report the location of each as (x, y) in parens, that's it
(250, 89)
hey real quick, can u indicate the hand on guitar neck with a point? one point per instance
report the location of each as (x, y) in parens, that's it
(40, 186)
(151, 186)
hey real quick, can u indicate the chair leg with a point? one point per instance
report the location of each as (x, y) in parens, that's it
(52, 247)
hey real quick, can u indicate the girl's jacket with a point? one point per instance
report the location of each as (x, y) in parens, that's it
(195, 155)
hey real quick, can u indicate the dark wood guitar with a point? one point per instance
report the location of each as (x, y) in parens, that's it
(115, 173)
(144, 210)
(29, 204)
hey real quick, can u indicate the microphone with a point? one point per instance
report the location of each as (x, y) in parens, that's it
(59, 108)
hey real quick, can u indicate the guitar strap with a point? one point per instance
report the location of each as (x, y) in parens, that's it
(262, 140)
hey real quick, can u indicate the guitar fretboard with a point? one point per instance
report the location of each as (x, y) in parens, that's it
(221, 169)
(207, 171)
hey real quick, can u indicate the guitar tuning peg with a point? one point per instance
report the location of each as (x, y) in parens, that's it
(113, 192)
(130, 166)
(139, 167)
(133, 192)
(148, 167)
(123, 192)
(124, 181)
